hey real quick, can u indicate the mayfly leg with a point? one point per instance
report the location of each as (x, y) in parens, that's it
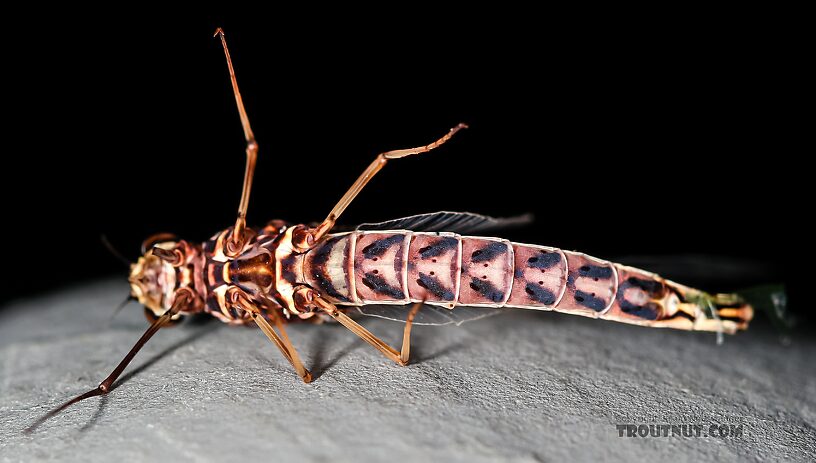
(242, 302)
(309, 237)
(238, 234)
(401, 357)
(183, 297)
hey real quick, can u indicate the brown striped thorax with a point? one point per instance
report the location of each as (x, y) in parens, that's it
(211, 273)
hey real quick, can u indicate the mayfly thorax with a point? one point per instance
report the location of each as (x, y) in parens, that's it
(266, 276)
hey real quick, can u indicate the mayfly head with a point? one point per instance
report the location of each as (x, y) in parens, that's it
(165, 266)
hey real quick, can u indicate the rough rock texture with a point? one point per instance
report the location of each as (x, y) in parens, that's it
(525, 386)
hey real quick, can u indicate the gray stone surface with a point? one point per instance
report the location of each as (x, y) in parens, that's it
(526, 386)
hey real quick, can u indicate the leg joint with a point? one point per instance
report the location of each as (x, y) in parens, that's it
(252, 147)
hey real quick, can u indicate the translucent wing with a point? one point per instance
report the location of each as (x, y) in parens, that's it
(429, 314)
(456, 222)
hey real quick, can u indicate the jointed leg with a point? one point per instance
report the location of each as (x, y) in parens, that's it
(236, 243)
(240, 301)
(308, 238)
(399, 357)
(284, 345)
(183, 298)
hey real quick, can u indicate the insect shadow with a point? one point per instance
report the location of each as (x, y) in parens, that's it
(325, 343)
(200, 331)
(321, 363)
(420, 354)
(100, 410)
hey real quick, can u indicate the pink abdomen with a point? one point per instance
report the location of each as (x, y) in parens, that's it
(398, 267)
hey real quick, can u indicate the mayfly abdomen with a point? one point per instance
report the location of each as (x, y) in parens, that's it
(449, 270)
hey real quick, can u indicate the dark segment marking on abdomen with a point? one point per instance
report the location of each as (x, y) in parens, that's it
(321, 255)
(378, 284)
(652, 287)
(325, 284)
(590, 301)
(595, 271)
(434, 287)
(487, 290)
(647, 311)
(439, 248)
(378, 248)
(592, 285)
(540, 277)
(489, 252)
(539, 294)
(544, 260)
(436, 256)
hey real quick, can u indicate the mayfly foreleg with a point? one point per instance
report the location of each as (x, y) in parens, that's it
(306, 238)
(241, 301)
(401, 357)
(183, 298)
(238, 238)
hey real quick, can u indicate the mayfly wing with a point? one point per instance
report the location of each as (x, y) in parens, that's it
(429, 314)
(455, 222)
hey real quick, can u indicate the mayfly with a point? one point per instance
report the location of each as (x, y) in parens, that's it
(268, 275)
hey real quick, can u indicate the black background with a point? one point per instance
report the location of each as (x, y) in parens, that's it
(623, 139)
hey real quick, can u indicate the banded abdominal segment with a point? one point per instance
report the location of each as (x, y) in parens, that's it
(487, 272)
(591, 285)
(641, 296)
(539, 277)
(330, 269)
(379, 267)
(433, 267)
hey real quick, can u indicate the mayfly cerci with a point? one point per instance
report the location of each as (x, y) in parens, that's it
(279, 272)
